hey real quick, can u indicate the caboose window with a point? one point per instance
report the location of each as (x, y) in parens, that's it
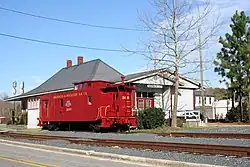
(81, 86)
(89, 100)
(89, 84)
(61, 101)
(76, 87)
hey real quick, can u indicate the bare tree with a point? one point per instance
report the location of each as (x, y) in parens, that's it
(174, 37)
(3, 96)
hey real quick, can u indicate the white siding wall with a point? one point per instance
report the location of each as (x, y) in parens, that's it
(221, 107)
(158, 101)
(156, 80)
(33, 112)
(185, 101)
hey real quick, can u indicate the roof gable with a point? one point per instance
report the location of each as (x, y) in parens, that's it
(184, 82)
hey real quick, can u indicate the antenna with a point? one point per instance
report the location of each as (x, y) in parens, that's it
(22, 88)
(14, 84)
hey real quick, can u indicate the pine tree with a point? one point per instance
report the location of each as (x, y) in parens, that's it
(233, 61)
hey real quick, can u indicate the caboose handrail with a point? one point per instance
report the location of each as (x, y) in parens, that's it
(106, 110)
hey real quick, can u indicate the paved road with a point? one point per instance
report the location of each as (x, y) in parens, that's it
(11, 156)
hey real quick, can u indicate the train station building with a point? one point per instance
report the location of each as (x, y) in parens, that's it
(154, 88)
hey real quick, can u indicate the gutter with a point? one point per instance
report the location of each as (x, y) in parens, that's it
(36, 94)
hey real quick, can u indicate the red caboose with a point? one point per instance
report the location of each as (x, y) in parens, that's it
(92, 104)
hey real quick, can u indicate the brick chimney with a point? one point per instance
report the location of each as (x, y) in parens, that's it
(69, 63)
(79, 60)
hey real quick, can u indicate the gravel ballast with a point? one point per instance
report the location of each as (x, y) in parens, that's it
(148, 137)
(226, 129)
(186, 157)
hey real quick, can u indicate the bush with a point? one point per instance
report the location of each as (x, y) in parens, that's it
(151, 118)
(234, 114)
(23, 119)
(180, 121)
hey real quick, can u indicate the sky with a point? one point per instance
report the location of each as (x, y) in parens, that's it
(34, 63)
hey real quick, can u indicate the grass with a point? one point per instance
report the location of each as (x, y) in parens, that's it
(166, 129)
(30, 130)
(18, 128)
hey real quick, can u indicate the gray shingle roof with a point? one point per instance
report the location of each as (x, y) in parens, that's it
(140, 74)
(145, 73)
(209, 92)
(88, 71)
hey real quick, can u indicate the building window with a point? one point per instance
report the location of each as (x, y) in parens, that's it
(138, 94)
(32, 103)
(150, 94)
(144, 94)
(148, 105)
(199, 100)
(89, 100)
(205, 99)
(210, 100)
(29, 104)
(141, 104)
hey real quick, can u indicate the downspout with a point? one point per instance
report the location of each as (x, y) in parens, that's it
(194, 99)
(171, 100)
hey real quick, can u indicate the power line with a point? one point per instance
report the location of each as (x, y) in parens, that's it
(78, 46)
(69, 45)
(71, 22)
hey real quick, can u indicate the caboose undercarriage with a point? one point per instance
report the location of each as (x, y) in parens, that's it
(104, 125)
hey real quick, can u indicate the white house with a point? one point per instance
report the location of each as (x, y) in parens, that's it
(209, 100)
(156, 89)
(221, 107)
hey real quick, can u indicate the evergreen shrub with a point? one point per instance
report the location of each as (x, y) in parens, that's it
(151, 118)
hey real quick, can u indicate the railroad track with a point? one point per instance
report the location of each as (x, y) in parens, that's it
(227, 150)
(207, 135)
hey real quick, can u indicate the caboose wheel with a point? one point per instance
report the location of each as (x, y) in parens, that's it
(53, 127)
(94, 128)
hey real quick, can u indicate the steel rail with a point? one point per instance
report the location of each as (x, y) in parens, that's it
(207, 135)
(227, 150)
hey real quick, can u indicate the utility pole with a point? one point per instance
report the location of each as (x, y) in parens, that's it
(248, 103)
(203, 110)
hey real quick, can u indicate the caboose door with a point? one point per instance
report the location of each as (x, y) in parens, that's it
(44, 114)
(123, 103)
(61, 110)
